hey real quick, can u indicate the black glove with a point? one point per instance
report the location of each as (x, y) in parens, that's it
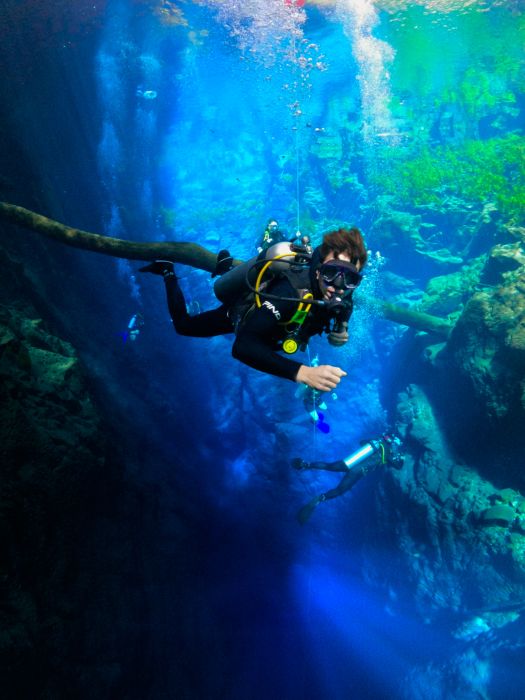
(339, 337)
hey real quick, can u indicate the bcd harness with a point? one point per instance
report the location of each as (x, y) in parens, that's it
(299, 277)
(297, 272)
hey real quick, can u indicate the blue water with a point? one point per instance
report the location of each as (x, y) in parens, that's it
(196, 122)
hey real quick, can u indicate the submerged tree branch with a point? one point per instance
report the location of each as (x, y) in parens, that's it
(416, 319)
(190, 254)
(185, 253)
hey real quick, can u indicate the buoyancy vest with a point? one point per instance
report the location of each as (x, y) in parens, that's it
(299, 280)
(281, 261)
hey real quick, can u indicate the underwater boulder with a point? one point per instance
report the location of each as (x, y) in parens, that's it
(487, 344)
(459, 543)
(395, 229)
(446, 294)
(502, 259)
(407, 239)
(442, 257)
(502, 515)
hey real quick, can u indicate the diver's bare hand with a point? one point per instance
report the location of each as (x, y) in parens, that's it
(322, 378)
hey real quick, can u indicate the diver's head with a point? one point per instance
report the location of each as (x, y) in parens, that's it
(337, 262)
(272, 225)
(345, 241)
(337, 277)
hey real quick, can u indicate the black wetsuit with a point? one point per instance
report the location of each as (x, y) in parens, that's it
(258, 334)
(350, 478)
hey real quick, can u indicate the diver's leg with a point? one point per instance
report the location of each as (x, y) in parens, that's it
(347, 482)
(344, 485)
(338, 466)
(205, 325)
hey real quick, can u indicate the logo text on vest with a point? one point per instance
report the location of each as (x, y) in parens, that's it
(272, 308)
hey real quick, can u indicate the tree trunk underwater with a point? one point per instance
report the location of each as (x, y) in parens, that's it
(190, 254)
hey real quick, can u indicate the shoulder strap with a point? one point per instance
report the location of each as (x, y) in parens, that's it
(299, 278)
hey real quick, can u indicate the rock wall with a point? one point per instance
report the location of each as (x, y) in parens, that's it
(62, 592)
(84, 563)
(487, 346)
(454, 514)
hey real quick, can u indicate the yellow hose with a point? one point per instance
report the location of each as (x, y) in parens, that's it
(261, 274)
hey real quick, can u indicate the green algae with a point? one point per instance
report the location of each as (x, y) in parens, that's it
(492, 170)
(456, 105)
(491, 41)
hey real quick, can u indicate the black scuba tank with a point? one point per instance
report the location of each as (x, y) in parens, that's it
(231, 286)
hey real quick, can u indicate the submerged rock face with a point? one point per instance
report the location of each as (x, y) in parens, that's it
(455, 512)
(70, 520)
(473, 529)
(46, 409)
(487, 346)
(459, 546)
(53, 459)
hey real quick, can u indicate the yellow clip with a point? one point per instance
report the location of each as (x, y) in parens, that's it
(290, 346)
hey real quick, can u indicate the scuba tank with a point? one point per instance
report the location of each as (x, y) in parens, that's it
(232, 284)
(241, 280)
(388, 445)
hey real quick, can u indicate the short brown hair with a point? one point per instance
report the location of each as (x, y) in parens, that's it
(345, 240)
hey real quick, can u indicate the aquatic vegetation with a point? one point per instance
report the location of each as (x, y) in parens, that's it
(169, 14)
(478, 171)
(489, 45)
(478, 93)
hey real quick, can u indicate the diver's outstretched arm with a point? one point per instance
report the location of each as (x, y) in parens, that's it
(320, 377)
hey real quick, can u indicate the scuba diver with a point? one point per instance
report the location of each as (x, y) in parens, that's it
(277, 302)
(132, 332)
(272, 235)
(384, 450)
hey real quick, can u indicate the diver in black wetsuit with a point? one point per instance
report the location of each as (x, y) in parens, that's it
(284, 317)
(272, 235)
(371, 454)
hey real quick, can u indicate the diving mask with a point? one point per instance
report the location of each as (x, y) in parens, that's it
(340, 274)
